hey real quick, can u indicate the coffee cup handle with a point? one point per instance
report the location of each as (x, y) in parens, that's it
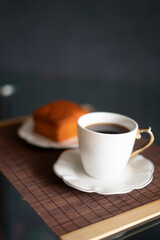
(147, 130)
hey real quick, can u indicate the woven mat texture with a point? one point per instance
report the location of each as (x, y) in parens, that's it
(64, 209)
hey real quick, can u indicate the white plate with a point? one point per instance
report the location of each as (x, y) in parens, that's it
(137, 174)
(26, 132)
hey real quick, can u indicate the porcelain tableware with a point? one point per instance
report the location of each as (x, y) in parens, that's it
(104, 156)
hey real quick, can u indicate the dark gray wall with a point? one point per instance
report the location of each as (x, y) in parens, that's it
(110, 39)
(106, 53)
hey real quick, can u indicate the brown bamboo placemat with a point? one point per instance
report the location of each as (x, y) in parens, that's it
(63, 208)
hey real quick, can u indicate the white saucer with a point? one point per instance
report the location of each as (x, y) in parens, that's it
(26, 132)
(137, 174)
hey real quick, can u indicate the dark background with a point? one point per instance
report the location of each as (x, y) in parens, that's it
(106, 41)
(106, 53)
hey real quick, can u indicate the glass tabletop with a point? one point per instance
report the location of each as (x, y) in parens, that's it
(18, 220)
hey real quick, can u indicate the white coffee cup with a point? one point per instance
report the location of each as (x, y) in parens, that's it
(105, 155)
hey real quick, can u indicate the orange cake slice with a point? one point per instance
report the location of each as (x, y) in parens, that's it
(58, 120)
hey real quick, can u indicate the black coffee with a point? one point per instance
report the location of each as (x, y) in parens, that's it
(108, 128)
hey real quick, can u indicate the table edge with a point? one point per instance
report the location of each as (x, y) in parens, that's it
(13, 121)
(116, 224)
